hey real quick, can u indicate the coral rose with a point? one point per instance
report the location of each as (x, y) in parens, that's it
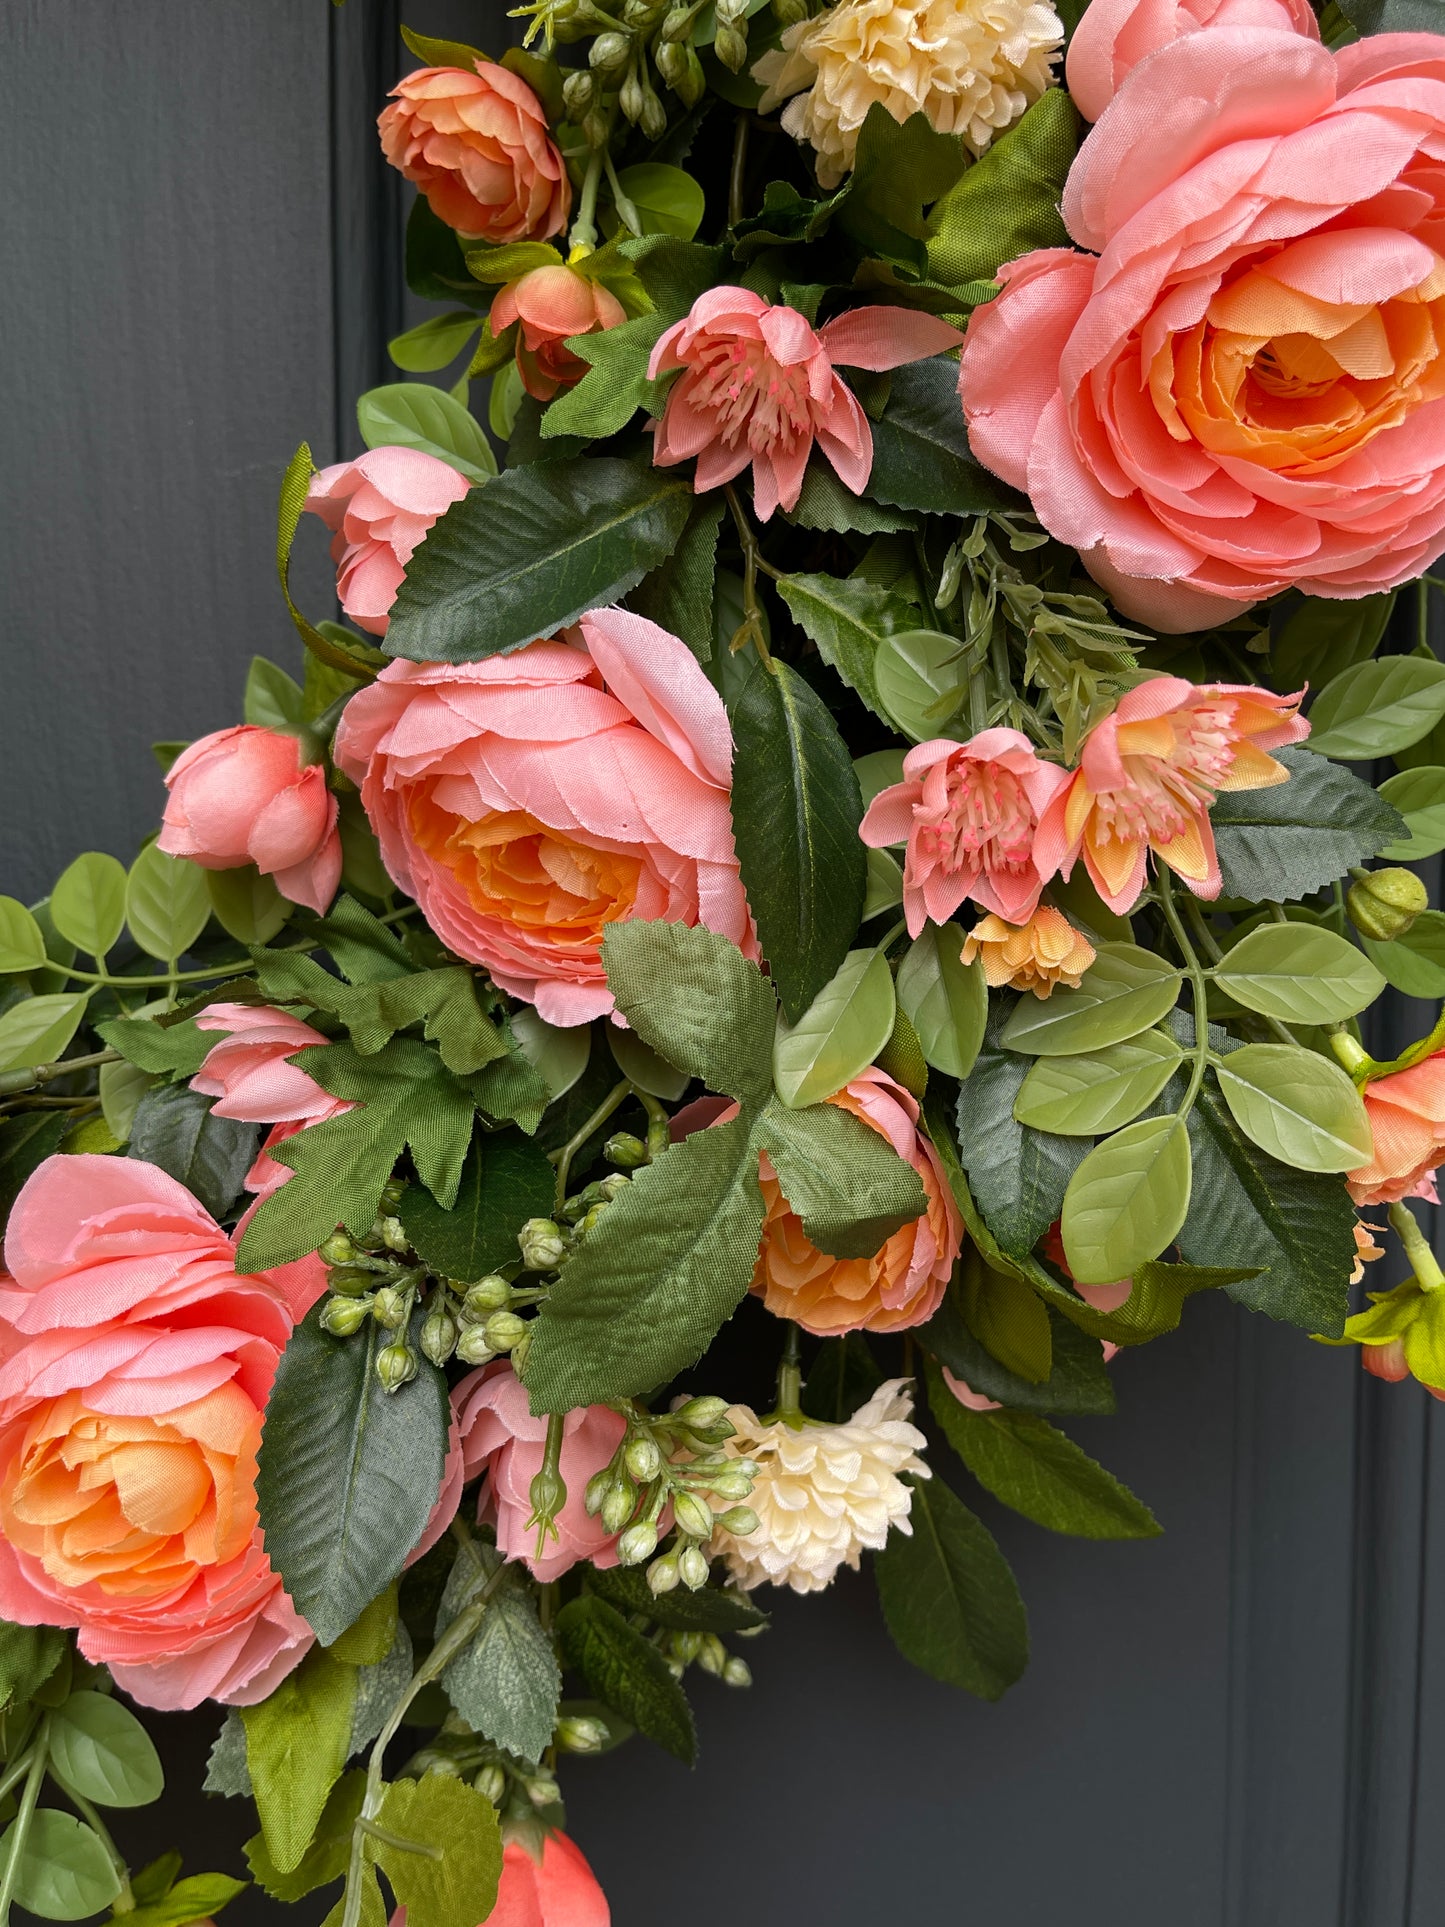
(527, 801)
(969, 813)
(548, 306)
(1245, 390)
(1148, 775)
(1402, 1335)
(379, 508)
(759, 385)
(500, 1437)
(899, 1286)
(477, 146)
(1406, 1110)
(244, 795)
(1046, 951)
(136, 1368)
(1113, 36)
(250, 1077)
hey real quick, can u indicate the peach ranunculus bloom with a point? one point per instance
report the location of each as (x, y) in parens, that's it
(527, 801)
(379, 509)
(136, 1368)
(1406, 1110)
(899, 1286)
(759, 384)
(1113, 36)
(969, 813)
(477, 146)
(559, 1890)
(1148, 774)
(549, 306)
(249, 1076)
(244, 795)
(1242, 389)
(1036, 956)
(500, 1437)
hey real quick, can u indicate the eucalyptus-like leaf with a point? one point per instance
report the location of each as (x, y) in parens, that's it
(413, 414)
(22, 943)
(1127, 1200)
(839, 1034)
(1377, 708)
(1125, 990)
(921, 676)
(558, 1055)
(167, 904)
(87, 904)
(1097, 1092)
(1297, 1105)
(648, 1070)
(1419, 796)
(38, 1030)
(1299, 973)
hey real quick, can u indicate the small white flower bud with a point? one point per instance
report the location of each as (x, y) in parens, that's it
(488, 1294)
(732, 1485)
(712, 1655)
(504, 1329)
(598, 1487)
(395, 1365)
(693, 1568)
(579, 1733)
(700, 1413)
(693, 1517)
(644, 1460)
(491, 1783)
(541, 1243)
(338, 1250)
(543, 1791)
(609, 53)
(392, 1235)
(663, 1575)
(390, 1307)
(737, 1672)
(439, 1336)
(619, 1505)
(638, 1543)
(343, 1316)
(472, 1346)
(739, 1519)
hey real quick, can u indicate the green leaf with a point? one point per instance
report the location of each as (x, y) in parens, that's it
(1414, 964)
(796, 810)
(616, 385)
(454, 1884)
(1300, 973)
(348, 1473)
(644, 1067)
(661, 1271)
(433, 343)
(505, 1180)
(945, 999)
(38, 1030)
(1126, 990)
(1378, 707)
(176, 1129)
(885, 884)
(696, 1000)
(921, 456)
(843, 1178)
(1279, 844)
(370, 1636)
(247, 905)
(1036, 1470)
(167, 904)
(197, 1898)
(1078, 1380)
(678, 594)
(413, 414)
(1008, 201)
(1156, 1303)
(436, 268)
(1419, 796)
(100, 1750)
(668, 200)
(1316, 640)
(707, 1611)
(28, 1657)
(296, 1744)
(1127, 1200)
(1393, 16)
(170, 1049)
(325, 1859)
(921, 676)
(839, 1034)
(828, 504)
(627, 1673)
(1300, 1107)
(899, 168)
(26, 1142)
(1092, 1094)
(527, 555)
(65, 1872)
(273, 700)
(951, 1603)
(848, 620)
(443, 53)
(87, 904)
(505, 1684)
(22, 944)
(558, 1056)
(1009, 1319)
(1018, 1174)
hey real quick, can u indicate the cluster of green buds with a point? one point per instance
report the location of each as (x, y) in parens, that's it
(671, 1459)
(706, 1651)
(517, 1789)
(376, 1277)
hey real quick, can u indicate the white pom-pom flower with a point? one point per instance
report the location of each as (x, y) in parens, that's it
(972, 66)
(823, 1493)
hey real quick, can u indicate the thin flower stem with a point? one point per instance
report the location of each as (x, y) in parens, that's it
(752, 623)
(626, 207)
(19, 1829)
(737, 174)
(1423, 1261)
(584, 228)
(1195, 972)
(790, 1378)
(599, 1117)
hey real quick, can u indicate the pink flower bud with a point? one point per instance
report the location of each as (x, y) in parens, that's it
(379, 508)
(549, 305)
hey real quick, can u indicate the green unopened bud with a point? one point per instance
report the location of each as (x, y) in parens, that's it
(487, 1295)
(586, 1223)
(619, 1505)
(439, 1336)
(675, 1667)
(643, 1459)
(1384, 903)
(732, 1484)
(609, 54)
(692, 1565)
(740, 1519)
(392, 1193)
(548, 1493)
(677, 25)
(578, 92)
(580, 1733)
(737, 1672)
(343, 1316)
(598, 1486)
(472, 1346)
(504, 1329)
(443, 1768)
(390, 1307)
(788, 13)
(731, 47)
(541, 1244)
(338, 1250)
(630, 97)
(701, 1413)
(395, 1364)
(642, 14)
(491, 1783)
(638, 1543)
(625, 1151)
(613, 1186)
(712, 1655)
(692, 1516)
(687, 1646)
(390, 1231)
(351, 1280)
(682, 70)
(595, 129)
(543, 1790)
(664, 1574)
(652, 120)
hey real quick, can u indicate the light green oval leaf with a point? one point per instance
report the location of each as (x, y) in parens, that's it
(839, 1034)
(38, 1030)
(945, 999)
(920, 678)
(273, 700)
(1127, 1200)
(1124, 991)
(433, 343)
(248, 906)
(1296, 1105)
(22, 943)
(100, 1749)
(1300, 974)
(167, 904)
(413, 414)
(885, 884)
(668, 201)
(558, 1056)
(65, 1873)
(1419, 796)
(87, 904)
(1100, 1091)
(1378, 707)
(1415, 963)
(122, 1086)
(879, 770)
(648, 1070)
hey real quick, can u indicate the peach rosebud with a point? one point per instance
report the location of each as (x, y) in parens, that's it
(1045, 951)
(1406, 1110)
(1402, 1335)
(549, 305)
(244, 795)
(1115, 35)
(477, 146)
(899, 1286)
(379, 508)
(249, 1075)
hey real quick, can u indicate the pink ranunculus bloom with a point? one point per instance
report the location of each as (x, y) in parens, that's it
(1148, 775)
(249, 1075)
(379, 509)
(1406, 1110)
(527, 801)
(759, 385)
(1242, 389)
(549, 306)
(244, 795)
(559, 1890)
(477, 146)
(136, 1368)
(969, 813)
(1115, 35)
(500, 1437)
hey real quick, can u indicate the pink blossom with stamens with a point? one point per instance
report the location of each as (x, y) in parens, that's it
(759, 385)
(969, 813)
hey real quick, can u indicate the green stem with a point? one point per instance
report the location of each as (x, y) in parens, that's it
(737, 173)
(1194, 970)
(584, 228)
(124, 1902)
(752, 623)
(659, 1124)
(574, 1144)
(790, 1378)
(15, 1773)
(626, 207)
(1423, 1261)
(1422, 616)
(18, 1831)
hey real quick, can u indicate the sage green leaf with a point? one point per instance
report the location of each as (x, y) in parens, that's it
(617, 383)
(22, 944)
(796, 811)
(87, 904)
(1419, 796)
(65, 1872)
(707, 1611)
(679, 594)
(648, 1070)
(848, 620)
(1127, 1200)
(1038, 1471)
(843, 1178)
(921, 677)
(1300, 1107)
(1315, 640)
(528, 554)
(1098, 1092)
(1279, 844)
(100, 1750)
(1077, 1381)
(348, 1473)
(433, 343)
(505, 1683)
(885, 884)
(453, 1883)
(696, 1000)
(432, 52)
(177, 1130)
(413, 414)
(559, 1056)
(1378, 707)
(273, 700)
(1018, 1174)
(667, 200)
(296, 1741)
(167, 904)
(921, 456)
(839, 1034)
(878, 771)
(627, 1673)
(1414, 964)
(505, 1180)
(1156, 1303)
(38, 1030)
(247, 905)
(666, 1265)
(28, 1657)
(1125, 990)
(198, 1898)
(949, 1598)
(327, 1856)
(1299, 973)
(945, 999)
(1008, 201)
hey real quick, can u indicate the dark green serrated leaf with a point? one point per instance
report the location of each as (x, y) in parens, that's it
(950, 1600)
(1394, 16)
(1008, 201)
(436, 267)
(28, 1657)
(921, 456)
(707, 1611)
(626, 1672)
(176, 1129)
(900, 168)
(678, 594)
(616, 384)
(505, 1180)
(846, 619)
(505, 1684)
(1278, 845)
(1078, 1381)
(844, 1179)
(696, 1000)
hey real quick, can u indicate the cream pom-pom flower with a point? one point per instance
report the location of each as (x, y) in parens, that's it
(823, 1493)
(972, 66)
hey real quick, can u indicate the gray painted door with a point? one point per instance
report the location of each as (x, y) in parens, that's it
(1234, 1726)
